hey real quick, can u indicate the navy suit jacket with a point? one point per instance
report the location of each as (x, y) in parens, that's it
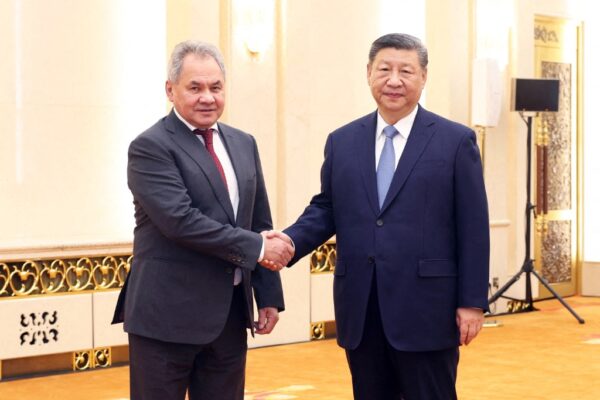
(428, 245)
(187, 242)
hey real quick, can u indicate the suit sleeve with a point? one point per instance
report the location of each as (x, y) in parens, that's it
(472, 226)
(317, 223)
(267, 287)
(158, 187)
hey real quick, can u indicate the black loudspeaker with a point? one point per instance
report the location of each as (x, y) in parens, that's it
(534, 94)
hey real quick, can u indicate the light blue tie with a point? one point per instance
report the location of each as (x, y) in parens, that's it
(387, 164)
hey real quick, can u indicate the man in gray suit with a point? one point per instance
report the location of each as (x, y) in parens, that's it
(200, 205)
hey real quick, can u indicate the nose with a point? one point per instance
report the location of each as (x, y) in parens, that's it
(206, 98)
(395, 79)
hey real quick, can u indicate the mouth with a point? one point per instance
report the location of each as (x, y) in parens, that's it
(393, 95)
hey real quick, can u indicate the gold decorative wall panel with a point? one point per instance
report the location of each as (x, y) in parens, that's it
(82, 360)
(323, 259)
(557, 164)
(556, 252)
(52, 276)
(558, 125)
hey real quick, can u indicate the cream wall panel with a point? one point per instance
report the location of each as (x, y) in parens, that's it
(590, 279)
(321, 297)
(82, 79)
(105, 334)
(448, 81)
(45, 325)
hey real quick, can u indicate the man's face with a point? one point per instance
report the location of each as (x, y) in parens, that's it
(396, 80)
(199, 94)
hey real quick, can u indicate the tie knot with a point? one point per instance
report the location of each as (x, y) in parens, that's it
(207, 134)
(390, 131)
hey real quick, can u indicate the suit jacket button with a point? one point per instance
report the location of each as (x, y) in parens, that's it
(371, 260)
(379, 222)
(229, 270)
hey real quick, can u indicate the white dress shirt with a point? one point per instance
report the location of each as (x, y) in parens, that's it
(403, 127)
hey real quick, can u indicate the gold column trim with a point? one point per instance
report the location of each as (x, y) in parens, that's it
(480, 132)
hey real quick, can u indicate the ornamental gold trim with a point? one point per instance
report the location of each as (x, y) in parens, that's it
(89, 359)
(82, 360)
(63, 275)
(323, 259)
(102, 357)
(323, 330)
(317, 330)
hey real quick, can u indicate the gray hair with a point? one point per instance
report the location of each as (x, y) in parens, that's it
(400, 41)
(192, 47)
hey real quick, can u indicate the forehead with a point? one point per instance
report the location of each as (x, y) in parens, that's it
(393, 55)
(197, 67)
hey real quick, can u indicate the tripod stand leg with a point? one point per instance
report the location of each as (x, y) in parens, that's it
(557, 296)
(504, 288)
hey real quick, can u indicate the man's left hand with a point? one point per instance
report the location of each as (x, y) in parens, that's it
(267, 319)
(469, 321)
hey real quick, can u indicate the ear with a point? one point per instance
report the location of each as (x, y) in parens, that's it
(424, 76)
(169, 90)
(369, 66)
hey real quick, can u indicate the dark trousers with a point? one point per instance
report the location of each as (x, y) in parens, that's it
(165, 371)
(380, 372)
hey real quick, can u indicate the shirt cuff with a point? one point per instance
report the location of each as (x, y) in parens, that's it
(262, 250)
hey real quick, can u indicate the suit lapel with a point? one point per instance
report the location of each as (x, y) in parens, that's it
(364, 139)
(190, 144)
(422, 131)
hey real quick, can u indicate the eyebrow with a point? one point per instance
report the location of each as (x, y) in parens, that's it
(211, 83)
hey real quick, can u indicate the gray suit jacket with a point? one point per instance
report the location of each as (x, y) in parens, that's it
(187, 242)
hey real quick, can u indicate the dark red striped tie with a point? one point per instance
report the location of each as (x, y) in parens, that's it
(207, 135)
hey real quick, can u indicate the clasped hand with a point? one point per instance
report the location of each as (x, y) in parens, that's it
(278, 250)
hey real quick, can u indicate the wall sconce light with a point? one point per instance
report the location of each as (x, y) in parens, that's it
(486, 98)
(257, 25)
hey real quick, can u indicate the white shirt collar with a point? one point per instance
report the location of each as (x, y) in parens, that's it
(192, 127)
(403, 126)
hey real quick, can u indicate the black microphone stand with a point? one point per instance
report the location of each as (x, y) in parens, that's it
(528, 268)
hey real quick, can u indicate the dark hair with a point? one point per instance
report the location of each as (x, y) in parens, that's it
(400, 41)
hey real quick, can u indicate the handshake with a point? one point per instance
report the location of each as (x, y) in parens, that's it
(279, 250)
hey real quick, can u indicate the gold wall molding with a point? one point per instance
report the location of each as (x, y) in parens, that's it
(323, 259)
(317, 330)
(63, 275)
(90, 359)
(322, 330)
(82, 360)
(100, 357)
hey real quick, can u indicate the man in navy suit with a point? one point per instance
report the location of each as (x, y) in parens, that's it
(402, 189)
(200, 207)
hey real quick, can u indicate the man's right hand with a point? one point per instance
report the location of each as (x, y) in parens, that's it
(278, 250)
